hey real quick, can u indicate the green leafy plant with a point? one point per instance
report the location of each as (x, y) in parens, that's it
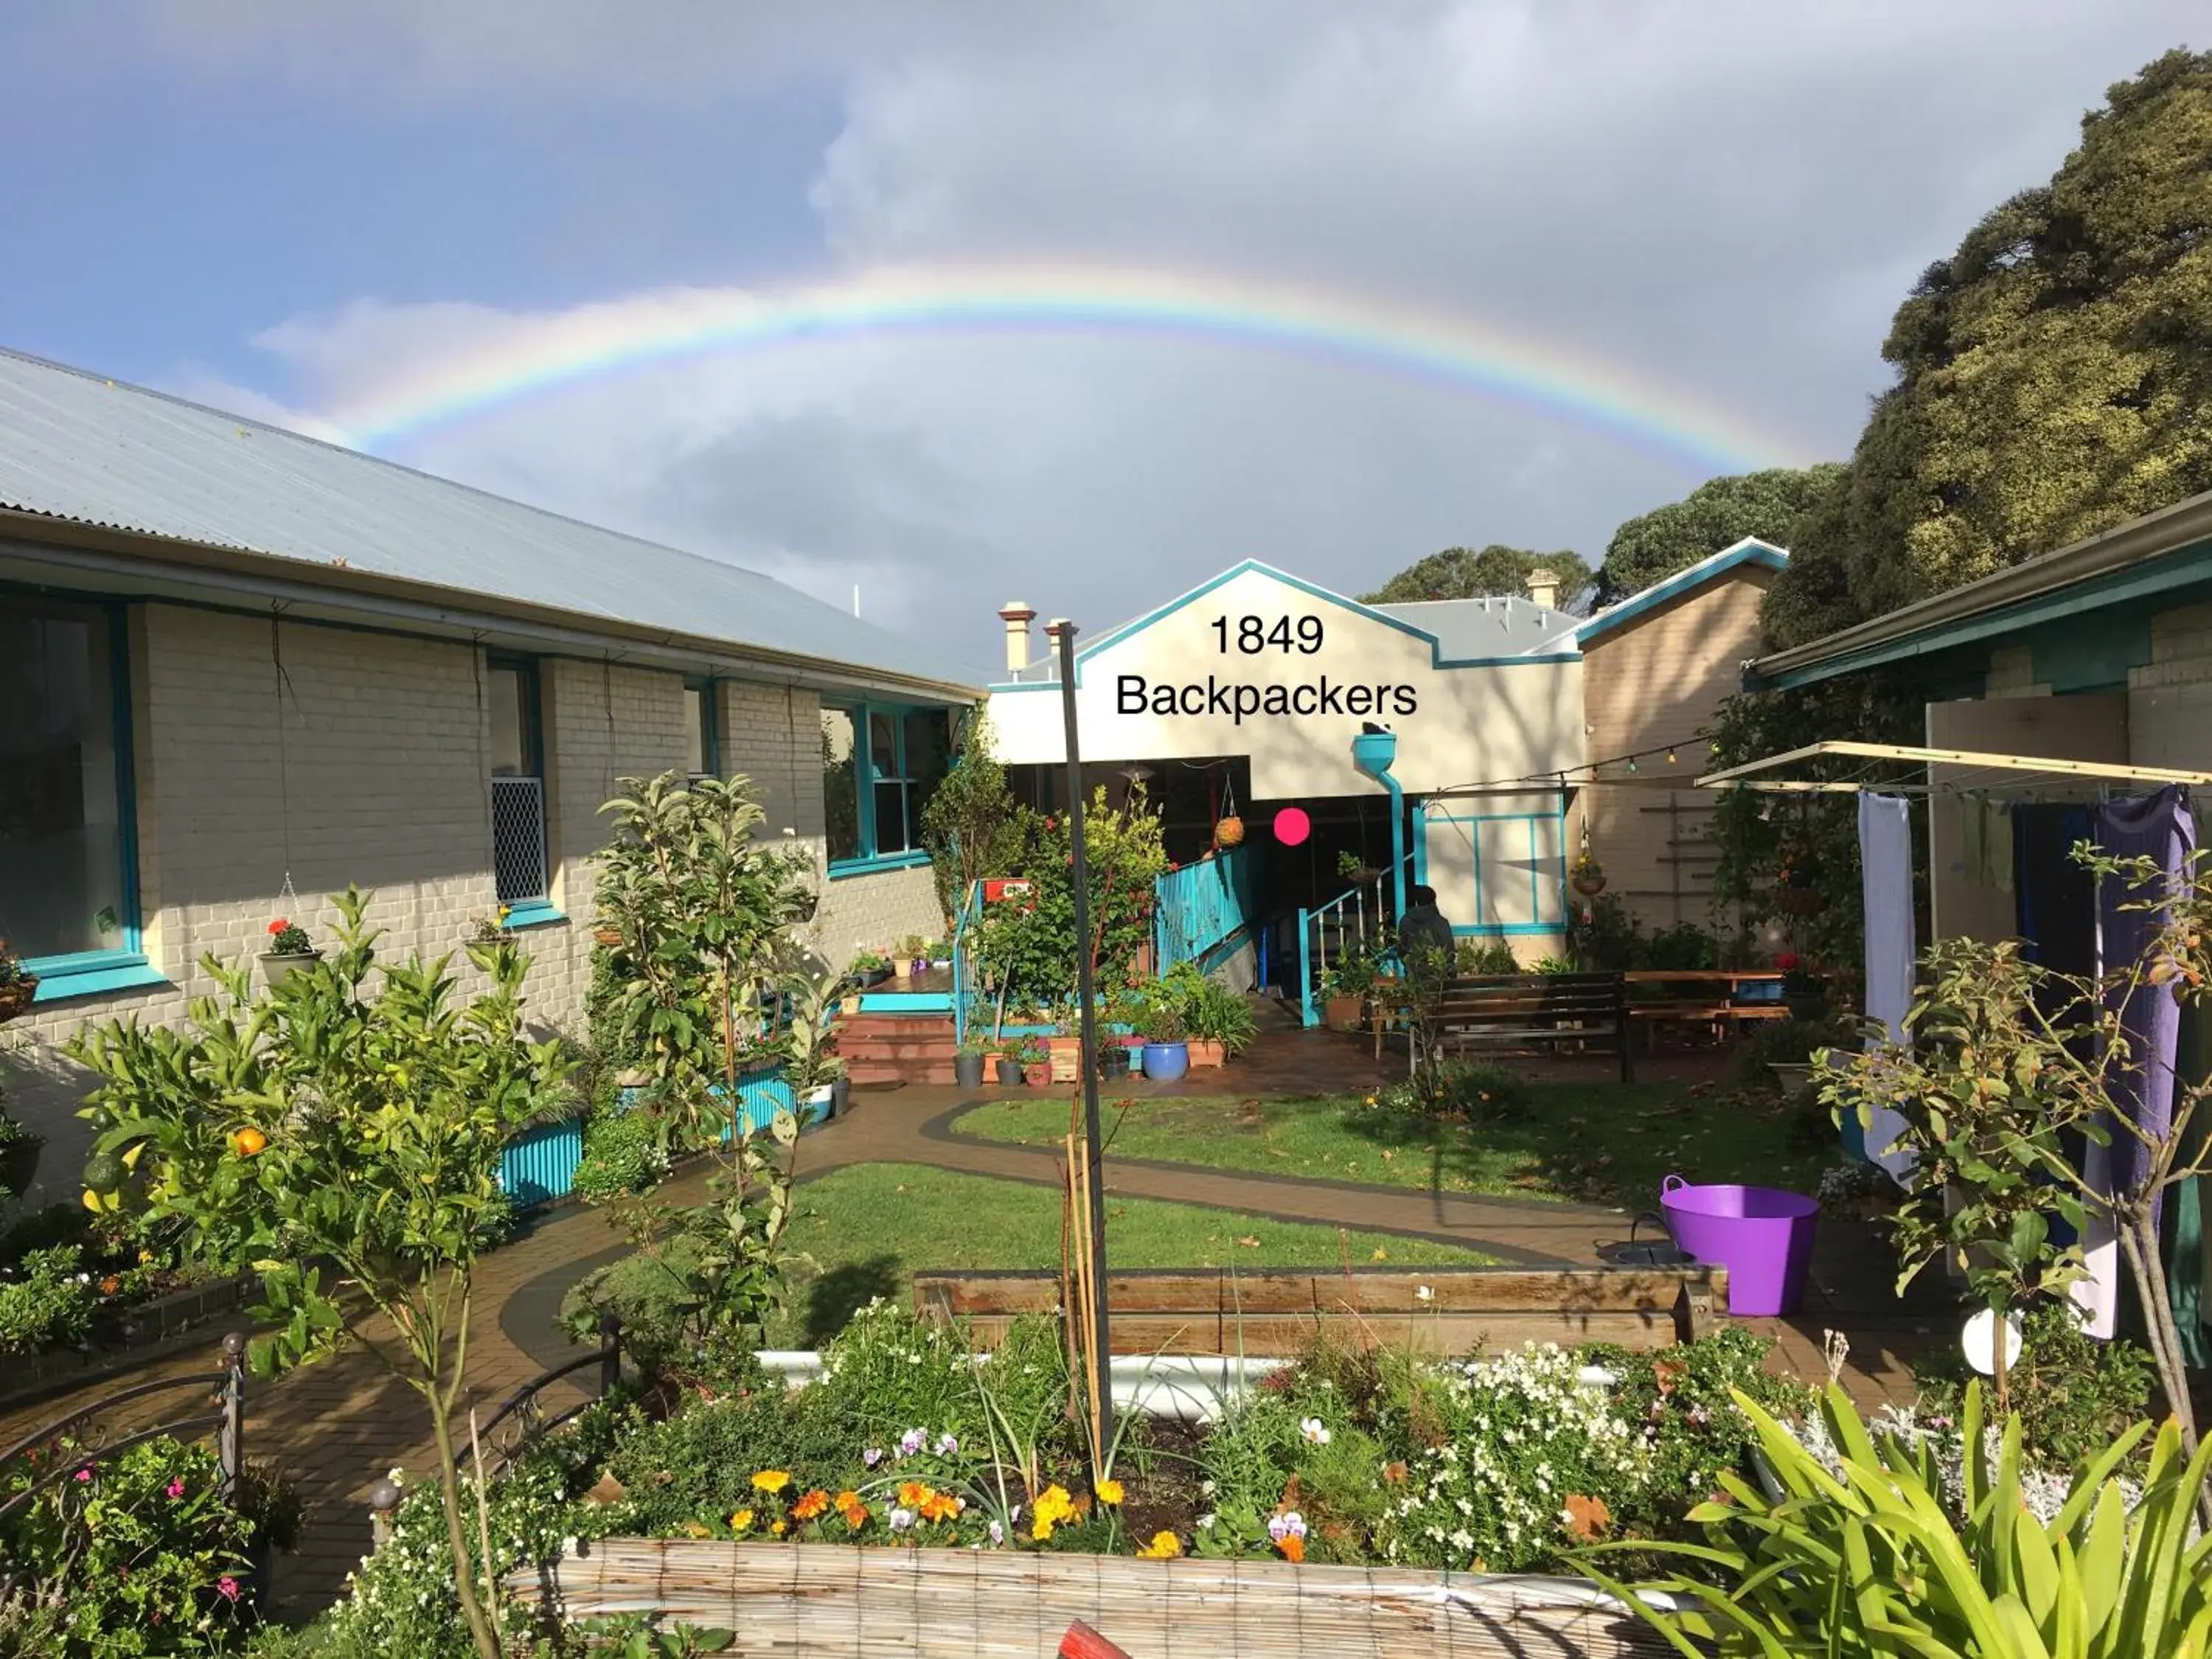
(46, 1301)
(970, 826)
(1872, 1562)
(327, 1123)
(625, 1154)
(1206, 1009)
(1492, 956)
(141, 1553)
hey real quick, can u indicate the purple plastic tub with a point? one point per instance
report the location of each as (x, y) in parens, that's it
(1762, 1235)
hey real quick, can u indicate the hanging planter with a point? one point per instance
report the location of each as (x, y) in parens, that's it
(289, 951)
(1229, 832)
(1588, 877)
(17, 993)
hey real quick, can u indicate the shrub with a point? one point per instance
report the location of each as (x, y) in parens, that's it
(1787, 1042)
(47, 1303)
(623, 1154)
(137, 1554)
(1202, 1007)
(1479, 1091)
(2074, 1395)
(1485, 957)
(1685, 945)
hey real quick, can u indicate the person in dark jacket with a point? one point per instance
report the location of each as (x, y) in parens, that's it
(1425, 931)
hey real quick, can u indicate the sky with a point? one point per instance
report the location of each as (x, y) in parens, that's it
(1076, 304)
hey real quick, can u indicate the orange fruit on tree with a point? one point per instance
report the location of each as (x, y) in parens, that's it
(248, 1142)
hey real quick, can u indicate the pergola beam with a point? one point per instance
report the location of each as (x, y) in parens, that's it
(2046, 765)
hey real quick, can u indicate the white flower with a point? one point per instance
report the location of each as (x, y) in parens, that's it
(1424, 1293)
(1206, 1489)
(1206, 1520)
(1315, 1430)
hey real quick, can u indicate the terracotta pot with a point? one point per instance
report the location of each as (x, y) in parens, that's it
(1206, 1051)
(1342, 1013)
(1037, 1075)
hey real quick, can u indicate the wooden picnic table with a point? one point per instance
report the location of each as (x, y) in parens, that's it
(1698, 996)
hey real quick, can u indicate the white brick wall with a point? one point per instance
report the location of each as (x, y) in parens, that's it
(365, 761)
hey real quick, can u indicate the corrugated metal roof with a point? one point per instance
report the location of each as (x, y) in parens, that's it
(1489, 625)
(75, 446)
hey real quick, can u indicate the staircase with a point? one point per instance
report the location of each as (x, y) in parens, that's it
(893, 1048)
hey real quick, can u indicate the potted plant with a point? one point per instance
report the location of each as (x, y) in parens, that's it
(19, 1156)
(17, 989)
(290, 950)
(1804, 991)
(811, 1067)
(1354, 869)
(968, 1063)
(1167, 1055)
(1009, 1067)
(1036, 1063)
(1346, 989)
(940, 953)
(915, 955)
(1588, 877)
(868, 967)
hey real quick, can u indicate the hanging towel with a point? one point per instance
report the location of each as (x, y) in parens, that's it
(1886, 884)
(1992, 821)
(2157, 827)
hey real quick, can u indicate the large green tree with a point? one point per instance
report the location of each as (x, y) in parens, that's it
(2054, 374)
(1461, 573)
(1718, 512)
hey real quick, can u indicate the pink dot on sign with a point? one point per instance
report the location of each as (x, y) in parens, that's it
(1292, 826)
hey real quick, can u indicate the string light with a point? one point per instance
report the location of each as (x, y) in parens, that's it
(1631, 766)
(1670, 757)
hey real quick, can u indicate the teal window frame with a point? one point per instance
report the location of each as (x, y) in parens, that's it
(92, 973)
(710, 727)
(866, 778)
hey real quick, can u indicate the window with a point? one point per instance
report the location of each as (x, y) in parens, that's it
(67, 876)
(702, 730)
(880, 764)
(520, 871)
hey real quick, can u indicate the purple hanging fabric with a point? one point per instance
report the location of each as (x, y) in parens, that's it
(2157, 827)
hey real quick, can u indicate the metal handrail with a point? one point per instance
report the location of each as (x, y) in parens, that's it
(607, 1356)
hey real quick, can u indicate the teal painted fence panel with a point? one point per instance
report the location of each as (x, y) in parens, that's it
(1201, 905)
(539, 1165)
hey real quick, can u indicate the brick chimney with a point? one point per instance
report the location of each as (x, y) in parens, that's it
(1016, 618)
(1544, 590)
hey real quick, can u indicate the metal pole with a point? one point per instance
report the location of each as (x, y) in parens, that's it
(230, 1433)
(1094, 1168)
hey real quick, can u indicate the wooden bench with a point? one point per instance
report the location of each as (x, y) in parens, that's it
(1553, 1009)
(1280, 1311)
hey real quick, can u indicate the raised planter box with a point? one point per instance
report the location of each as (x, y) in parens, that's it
(539, 1166)
(127, 1339)
(1195, 1311)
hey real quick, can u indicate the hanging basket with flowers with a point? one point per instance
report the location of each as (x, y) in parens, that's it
(1229, 832)
(290, 950)
(1588, 877)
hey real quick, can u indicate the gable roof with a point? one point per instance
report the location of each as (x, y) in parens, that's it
(1045, 669)
(77, 448)
(1749, 551)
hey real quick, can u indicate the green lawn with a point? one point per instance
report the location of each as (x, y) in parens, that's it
(1597, 1143)
(868, 1226)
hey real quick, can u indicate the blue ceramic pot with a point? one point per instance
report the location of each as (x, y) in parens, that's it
(1166, 1060)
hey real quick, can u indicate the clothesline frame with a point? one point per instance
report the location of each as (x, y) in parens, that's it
(1746, 776)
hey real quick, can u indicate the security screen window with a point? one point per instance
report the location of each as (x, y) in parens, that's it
(62, 889)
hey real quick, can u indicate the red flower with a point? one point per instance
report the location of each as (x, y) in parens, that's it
(1787, 961)
(278, 925)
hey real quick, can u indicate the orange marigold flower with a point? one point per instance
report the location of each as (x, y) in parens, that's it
(940, 1506)
(771, 1480)
(776, 1526)
(811, 1505)
(913, 1494)
(1164, 1546)
(1293, 1546)
(741, 1520)
(1109, 1492)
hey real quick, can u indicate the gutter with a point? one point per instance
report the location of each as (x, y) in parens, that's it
(423, 609)
(2137, 541)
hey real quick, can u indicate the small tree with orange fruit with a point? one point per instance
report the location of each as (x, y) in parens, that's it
(336, 1122)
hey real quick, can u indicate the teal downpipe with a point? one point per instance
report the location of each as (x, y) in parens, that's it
(1373, 753)
(1306, 970)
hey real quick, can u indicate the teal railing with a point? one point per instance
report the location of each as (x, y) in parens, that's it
(1201, 908)
(1358, 918)
(539, 1164)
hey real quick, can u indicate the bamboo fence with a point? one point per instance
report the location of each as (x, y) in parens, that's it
(853, 1602)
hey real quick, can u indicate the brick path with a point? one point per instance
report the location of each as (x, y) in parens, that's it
(336, 1427)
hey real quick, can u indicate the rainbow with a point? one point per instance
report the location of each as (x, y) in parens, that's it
(1547, 378)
